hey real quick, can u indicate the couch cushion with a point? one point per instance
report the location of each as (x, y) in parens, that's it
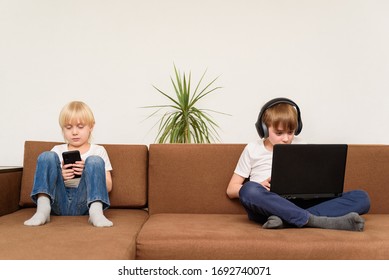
(192, 178)
(69, 237)
(32, 149)
(367, 168)
(129, 174)
(229, 236)
(10, 190)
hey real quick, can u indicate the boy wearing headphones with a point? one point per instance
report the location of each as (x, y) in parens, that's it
(278, 122)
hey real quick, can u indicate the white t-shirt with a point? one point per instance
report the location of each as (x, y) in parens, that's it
(256, 161)
(94, 150)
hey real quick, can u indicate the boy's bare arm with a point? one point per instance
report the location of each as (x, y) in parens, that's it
(109, 181)
(234, 186)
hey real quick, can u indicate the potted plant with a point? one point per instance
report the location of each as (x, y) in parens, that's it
(182, 121)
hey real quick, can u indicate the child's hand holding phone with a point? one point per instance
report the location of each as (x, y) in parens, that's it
(73, 165)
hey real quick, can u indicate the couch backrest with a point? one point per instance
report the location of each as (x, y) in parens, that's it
(129, 174)
(192, 178)
(368, 169)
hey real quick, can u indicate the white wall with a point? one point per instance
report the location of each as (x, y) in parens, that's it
(331, 57)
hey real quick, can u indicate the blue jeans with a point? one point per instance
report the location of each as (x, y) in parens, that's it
(70, 201)
(261, 203)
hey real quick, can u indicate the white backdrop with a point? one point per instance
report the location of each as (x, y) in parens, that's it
(331, 57)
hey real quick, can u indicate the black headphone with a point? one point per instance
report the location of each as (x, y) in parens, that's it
(261, 126)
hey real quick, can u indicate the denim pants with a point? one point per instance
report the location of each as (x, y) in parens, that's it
(261, 203)
(70, 201)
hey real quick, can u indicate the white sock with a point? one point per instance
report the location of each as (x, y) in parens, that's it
(42, 214)
(96, 216)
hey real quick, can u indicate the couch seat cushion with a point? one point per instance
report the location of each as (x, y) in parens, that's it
(233, 236)
(70, 237)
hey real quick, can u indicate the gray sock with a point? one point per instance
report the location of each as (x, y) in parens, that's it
(351, 221)
(96, 215)
(42, 214)
(273, 222)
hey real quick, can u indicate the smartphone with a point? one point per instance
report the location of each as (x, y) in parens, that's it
(71, 157)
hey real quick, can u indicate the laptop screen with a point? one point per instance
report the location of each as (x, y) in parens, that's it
(308, 170)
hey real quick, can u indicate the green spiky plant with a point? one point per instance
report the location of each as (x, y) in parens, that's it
(183, 121)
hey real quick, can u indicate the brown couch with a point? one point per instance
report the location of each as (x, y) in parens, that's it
(169, 202)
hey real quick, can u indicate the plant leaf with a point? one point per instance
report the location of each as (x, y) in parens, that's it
(182, 121)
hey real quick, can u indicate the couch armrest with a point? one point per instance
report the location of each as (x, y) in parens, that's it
(10, 183)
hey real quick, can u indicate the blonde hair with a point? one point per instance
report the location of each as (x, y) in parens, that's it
(281, 114)
(76, 111)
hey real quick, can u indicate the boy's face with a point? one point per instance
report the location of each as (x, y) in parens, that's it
(280, 135)
(77, 134)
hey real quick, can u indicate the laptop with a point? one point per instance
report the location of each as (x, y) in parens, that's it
(308, 171)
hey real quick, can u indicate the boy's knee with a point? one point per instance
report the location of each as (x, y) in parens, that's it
(47, 156)
(249, 189)
(364, 200)
(361, 195)
(94, 160)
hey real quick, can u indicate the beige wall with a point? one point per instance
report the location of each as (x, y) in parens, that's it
(331, 57)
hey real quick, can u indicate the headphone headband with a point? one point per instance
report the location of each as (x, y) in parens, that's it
(261, 126)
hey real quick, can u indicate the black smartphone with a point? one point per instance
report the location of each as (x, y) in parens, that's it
(71, 157)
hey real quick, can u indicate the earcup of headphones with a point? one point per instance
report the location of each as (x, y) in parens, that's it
(265, 131)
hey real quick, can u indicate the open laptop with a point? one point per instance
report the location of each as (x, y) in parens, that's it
(307, 171)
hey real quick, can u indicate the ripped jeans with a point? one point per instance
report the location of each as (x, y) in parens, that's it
(70, 201)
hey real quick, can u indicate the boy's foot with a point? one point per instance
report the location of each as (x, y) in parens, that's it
(273, 222)
(96, 216)
(42, 215)
(352, 221)
(37, 220)
(100, 221)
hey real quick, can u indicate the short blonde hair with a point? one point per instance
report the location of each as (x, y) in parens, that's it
(76, 111)
(281, 114)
